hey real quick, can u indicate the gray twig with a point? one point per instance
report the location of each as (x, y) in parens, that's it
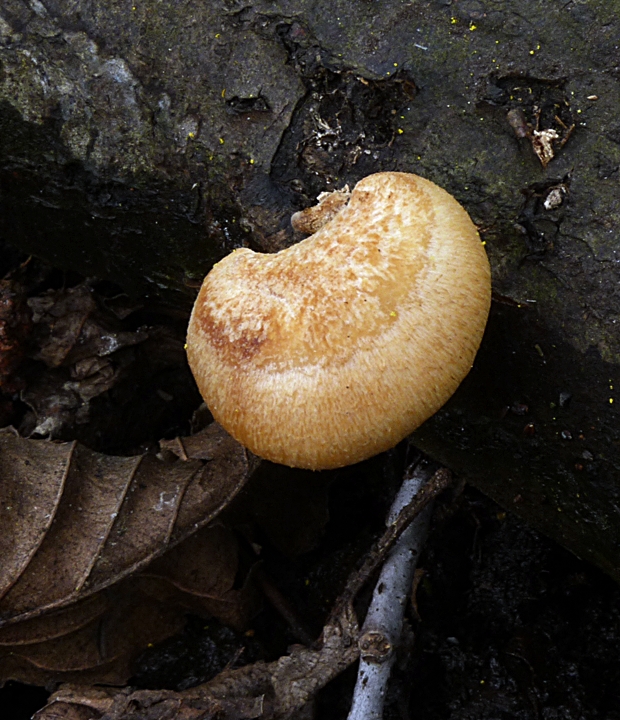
(382, 629)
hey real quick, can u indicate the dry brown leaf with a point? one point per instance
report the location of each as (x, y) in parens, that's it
(78, 338)
(263, 690)
(54, 624)
(100, 650)
(99, 376)
(97, 638)
(199, 574)
(290, 505)
(69, 328)
(73, 521)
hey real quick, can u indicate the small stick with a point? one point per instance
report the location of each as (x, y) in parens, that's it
(427, 493)
(382, 629)
(284, 608)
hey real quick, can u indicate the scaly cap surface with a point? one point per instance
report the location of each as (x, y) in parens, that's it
(336, 348)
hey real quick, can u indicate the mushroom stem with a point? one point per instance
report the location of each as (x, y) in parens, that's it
(382, 629)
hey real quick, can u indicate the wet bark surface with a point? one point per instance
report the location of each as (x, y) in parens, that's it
(139, 143)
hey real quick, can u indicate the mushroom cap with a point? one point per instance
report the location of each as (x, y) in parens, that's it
(335, 349)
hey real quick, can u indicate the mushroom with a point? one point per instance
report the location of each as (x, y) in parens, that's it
(335, 349)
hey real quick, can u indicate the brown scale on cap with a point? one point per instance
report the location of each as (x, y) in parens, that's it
(336, 348)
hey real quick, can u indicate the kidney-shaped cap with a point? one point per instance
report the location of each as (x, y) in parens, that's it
(336, 348)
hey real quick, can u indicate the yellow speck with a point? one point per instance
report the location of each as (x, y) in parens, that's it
(185, 346)
(497, 42)
(150, 645)
(133, 7)
(454, 20)
(482, 682)
(393, 313)
(251, 161)
(484, 242)
(217, 35)
(221, 141)
(579, 111)
(611, 401)
(400, 131)
(191, 135)
(395, 64)
(559, 509)
(472, 27)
